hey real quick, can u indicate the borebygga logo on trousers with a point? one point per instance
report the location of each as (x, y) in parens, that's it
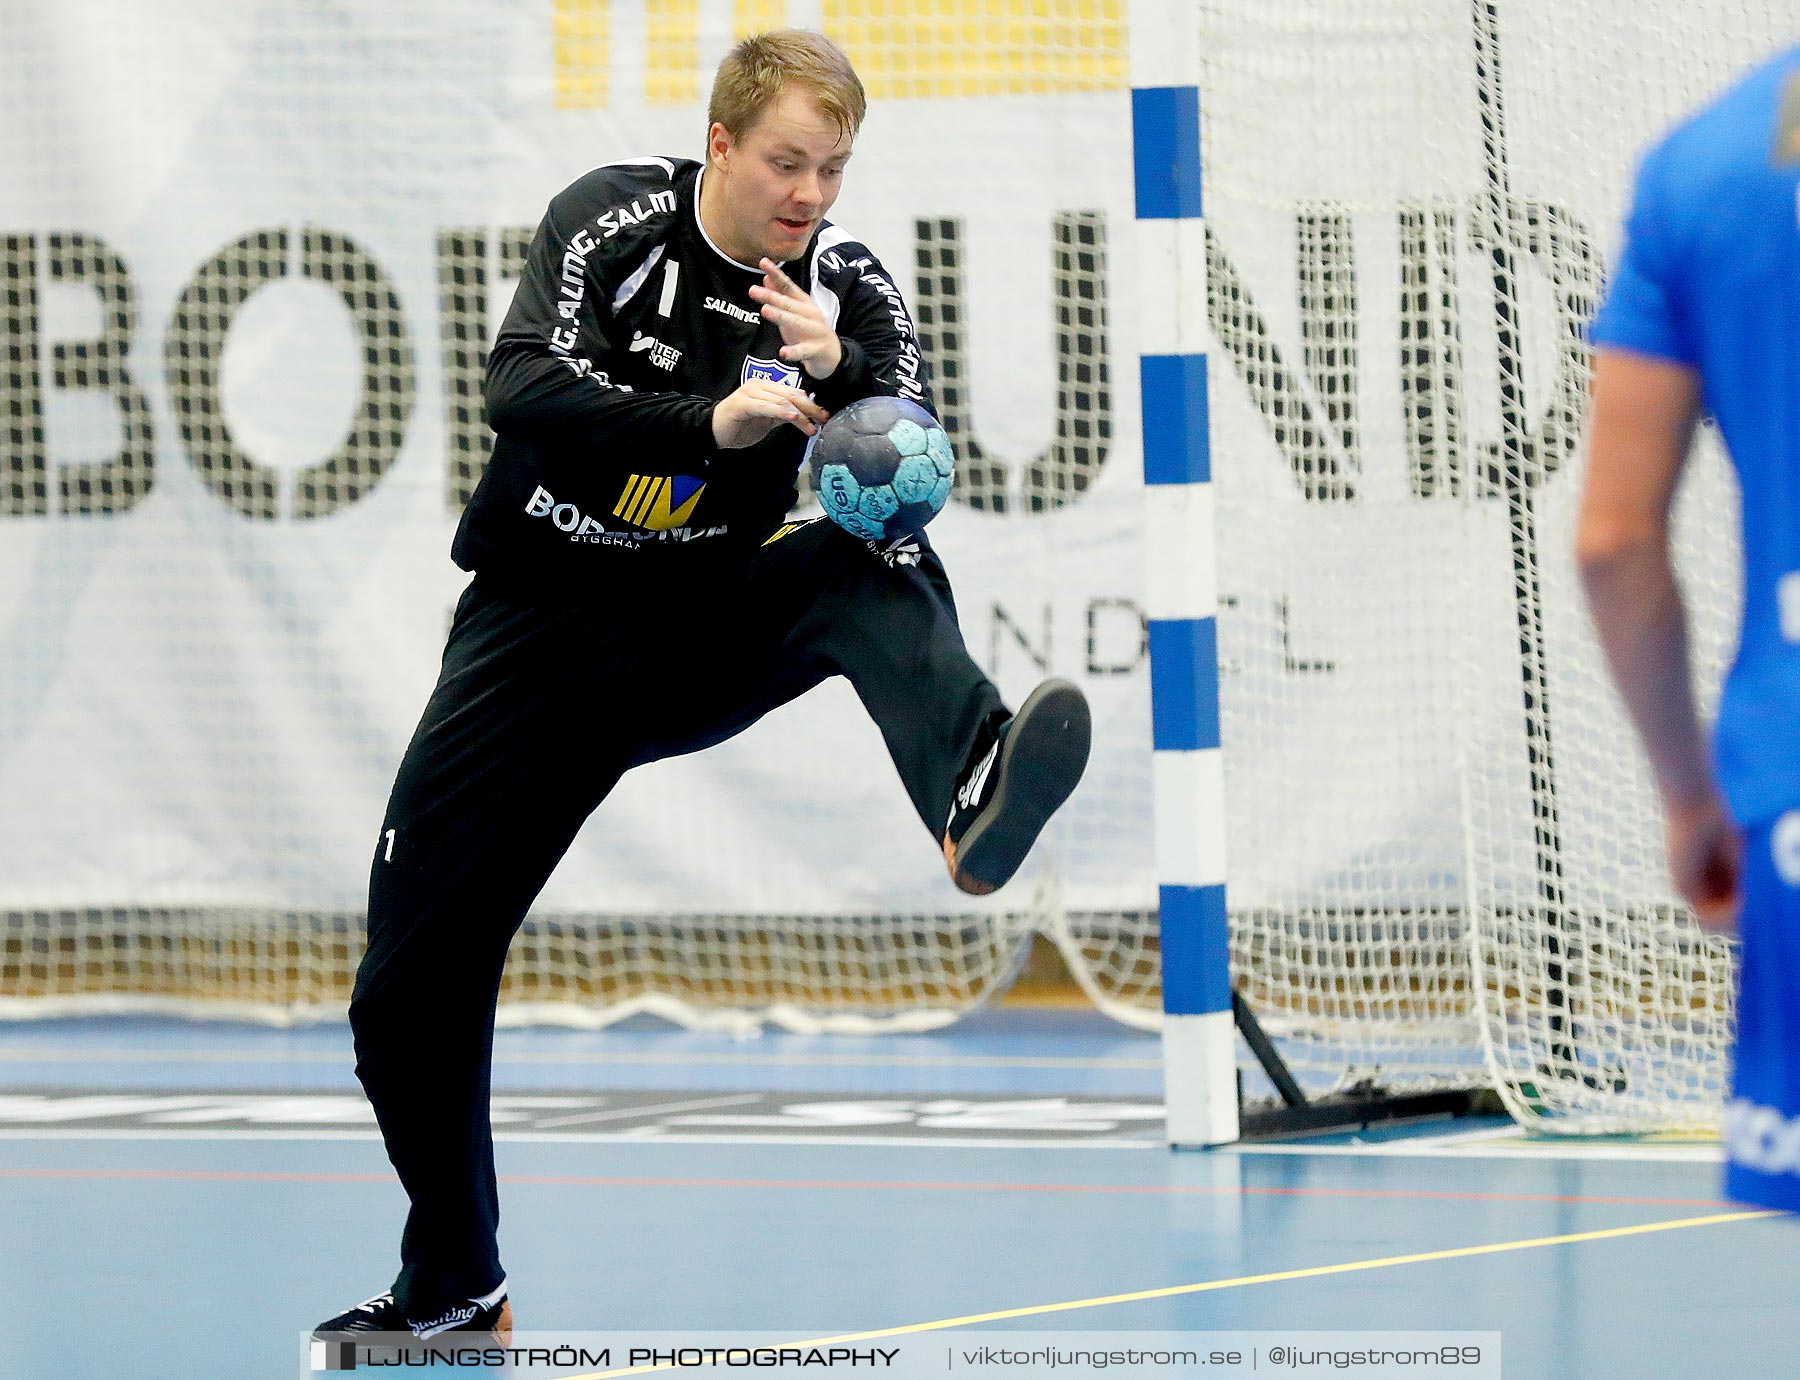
(566, 517)
(656, 506)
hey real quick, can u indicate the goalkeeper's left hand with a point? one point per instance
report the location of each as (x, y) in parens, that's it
(808, 339)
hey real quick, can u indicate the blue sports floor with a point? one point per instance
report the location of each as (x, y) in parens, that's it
(184, 1200)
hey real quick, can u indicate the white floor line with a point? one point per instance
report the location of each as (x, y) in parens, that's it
(637, 1137)
(1505, 1145)
(624, 1113)
(28, 1055)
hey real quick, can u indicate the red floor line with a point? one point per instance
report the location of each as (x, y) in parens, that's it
(873, 1185)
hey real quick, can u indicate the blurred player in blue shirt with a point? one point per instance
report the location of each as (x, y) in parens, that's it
(1703, 314)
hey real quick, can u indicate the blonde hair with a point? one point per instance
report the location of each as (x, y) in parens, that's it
(754, 73)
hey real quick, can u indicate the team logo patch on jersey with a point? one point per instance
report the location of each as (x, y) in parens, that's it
(771, 369)
(659, 502)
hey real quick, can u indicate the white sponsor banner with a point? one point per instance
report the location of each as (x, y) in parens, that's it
(204, 707)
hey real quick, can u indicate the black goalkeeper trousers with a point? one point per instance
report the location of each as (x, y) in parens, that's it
(537, 713)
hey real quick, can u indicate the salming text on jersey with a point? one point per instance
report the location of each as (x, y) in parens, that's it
(641, 209)
(731, 309)
(571, 288)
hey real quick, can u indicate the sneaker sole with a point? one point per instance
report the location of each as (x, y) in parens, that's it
(1045, 753)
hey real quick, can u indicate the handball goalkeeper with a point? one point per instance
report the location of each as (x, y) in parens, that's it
(679, 331)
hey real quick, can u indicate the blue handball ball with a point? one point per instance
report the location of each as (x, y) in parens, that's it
(882, 468)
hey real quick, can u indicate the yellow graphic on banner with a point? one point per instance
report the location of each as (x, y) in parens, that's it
(936, 48)
(581, 53)
(757, 16)
(903, 49)
(645, 502)
(671, 65)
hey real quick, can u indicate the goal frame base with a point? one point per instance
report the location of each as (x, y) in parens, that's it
(1356, 1108)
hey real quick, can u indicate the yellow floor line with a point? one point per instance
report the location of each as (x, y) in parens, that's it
(1173, 1291)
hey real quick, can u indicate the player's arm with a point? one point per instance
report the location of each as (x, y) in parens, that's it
(662, 433)
(1644, 412)
(549, 376)
(1646, 402)
(1642, 422)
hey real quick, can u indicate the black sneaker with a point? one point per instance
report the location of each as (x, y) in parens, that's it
(1013, 787)
(382, 1314)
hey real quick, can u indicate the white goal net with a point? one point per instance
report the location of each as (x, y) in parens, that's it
(1444, 852)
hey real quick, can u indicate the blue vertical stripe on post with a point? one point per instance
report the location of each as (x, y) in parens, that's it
(1178, 430)
(1184, 684)
(1165, 151)
(1194, 936)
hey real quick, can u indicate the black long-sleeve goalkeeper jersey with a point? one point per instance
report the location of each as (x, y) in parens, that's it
(627, 326)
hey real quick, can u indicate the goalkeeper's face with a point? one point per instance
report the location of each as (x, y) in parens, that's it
(770, 186)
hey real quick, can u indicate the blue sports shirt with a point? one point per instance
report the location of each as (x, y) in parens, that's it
(1710, 278)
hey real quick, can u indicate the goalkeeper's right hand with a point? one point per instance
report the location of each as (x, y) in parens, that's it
(757, 408)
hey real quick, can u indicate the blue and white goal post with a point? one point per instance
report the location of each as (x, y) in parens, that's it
(1199, 1042)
